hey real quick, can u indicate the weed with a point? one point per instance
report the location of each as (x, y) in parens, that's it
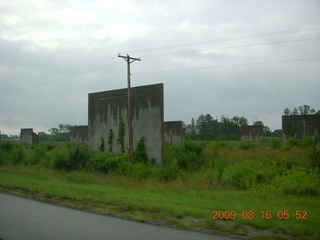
(140, 155)
(291, 142)
(308, 142)
(314, 157)
(246, 145)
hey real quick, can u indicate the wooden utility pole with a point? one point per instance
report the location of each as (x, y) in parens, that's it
(129, 60)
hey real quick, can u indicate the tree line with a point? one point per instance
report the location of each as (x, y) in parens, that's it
(205, 127)
(301, 110)
(62, 133)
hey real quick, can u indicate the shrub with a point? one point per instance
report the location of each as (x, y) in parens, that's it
(246, 145)
(314, 157)
(17, 155)
(291, 142)
(276, 144)
(6, 146)
(76, 159)
(36, 155)
(297, 182)
(140, 155)
(308, 142)
(169, 171)
(190, 156)
(103, 162)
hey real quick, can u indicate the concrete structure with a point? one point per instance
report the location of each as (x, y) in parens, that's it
(79, 135)
(28, 136)
(108, 126)
(251, 133)
(173, 132)
(300, 126)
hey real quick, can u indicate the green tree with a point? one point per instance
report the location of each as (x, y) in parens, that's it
(205, 127)
(191, 130)
(286, 112)
(53, 131)
(258, 123)
(306, 109)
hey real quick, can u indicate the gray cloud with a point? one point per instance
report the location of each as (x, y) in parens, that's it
(39, 42)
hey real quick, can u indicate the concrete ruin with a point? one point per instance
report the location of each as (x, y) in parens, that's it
(79, 135)
(108, 125)
(28, 136)
(251, 133)
(300, 126)
(173, 132)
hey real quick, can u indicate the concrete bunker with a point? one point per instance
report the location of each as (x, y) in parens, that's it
(173, 132)
(28, 136)
(108, 126)
(252, 133)
(79, 135)
(300, 126)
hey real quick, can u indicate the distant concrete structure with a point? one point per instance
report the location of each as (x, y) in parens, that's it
(79, 135)
(173, 132)
(252, 133)
(28, 136)
(108, 125)
(300, 126)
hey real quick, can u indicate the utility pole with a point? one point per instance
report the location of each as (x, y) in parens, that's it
(129, 60)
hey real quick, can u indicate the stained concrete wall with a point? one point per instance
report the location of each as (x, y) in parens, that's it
(300, 126)
(251, 133)
(173, 132)
(28, 136)
(108, 109)
(79, 135)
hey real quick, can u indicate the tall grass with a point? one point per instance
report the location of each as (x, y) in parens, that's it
(196, 178)
(221, 165)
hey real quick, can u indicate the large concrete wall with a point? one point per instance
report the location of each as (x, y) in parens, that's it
(251, 133)
(300, 126)
(108, 109)
(79, 135)
(28, 136)
(173, 132)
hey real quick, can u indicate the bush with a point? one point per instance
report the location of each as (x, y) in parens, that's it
(169, 171)
(140, 155)
(308, 142)
(276, 144)
(17, 155)
(297, 182)
(190, 156)
(76, 159)
(291, 142)
(36, 155)
(314, 157)
(103, 162)
(6, 147)
(246, 145)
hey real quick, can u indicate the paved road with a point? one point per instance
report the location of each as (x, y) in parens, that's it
(26, 219)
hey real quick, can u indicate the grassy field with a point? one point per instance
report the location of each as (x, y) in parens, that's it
(273, 190)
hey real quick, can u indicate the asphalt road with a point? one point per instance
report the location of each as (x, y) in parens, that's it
(25, 219)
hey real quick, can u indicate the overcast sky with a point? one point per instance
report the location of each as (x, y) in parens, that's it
(229, 57)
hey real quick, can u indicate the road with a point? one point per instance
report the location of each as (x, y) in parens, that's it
(22, 218)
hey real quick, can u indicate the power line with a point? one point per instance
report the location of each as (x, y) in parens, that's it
(162, 54)
(231, 65)
(175, 70)
(110, 57)
(239, 46)
(93, 62)
(229, 39)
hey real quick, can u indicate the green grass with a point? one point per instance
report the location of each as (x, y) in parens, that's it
(196, 179)
(177, 202)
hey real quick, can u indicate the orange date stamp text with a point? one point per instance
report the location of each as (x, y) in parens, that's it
(281, 214)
